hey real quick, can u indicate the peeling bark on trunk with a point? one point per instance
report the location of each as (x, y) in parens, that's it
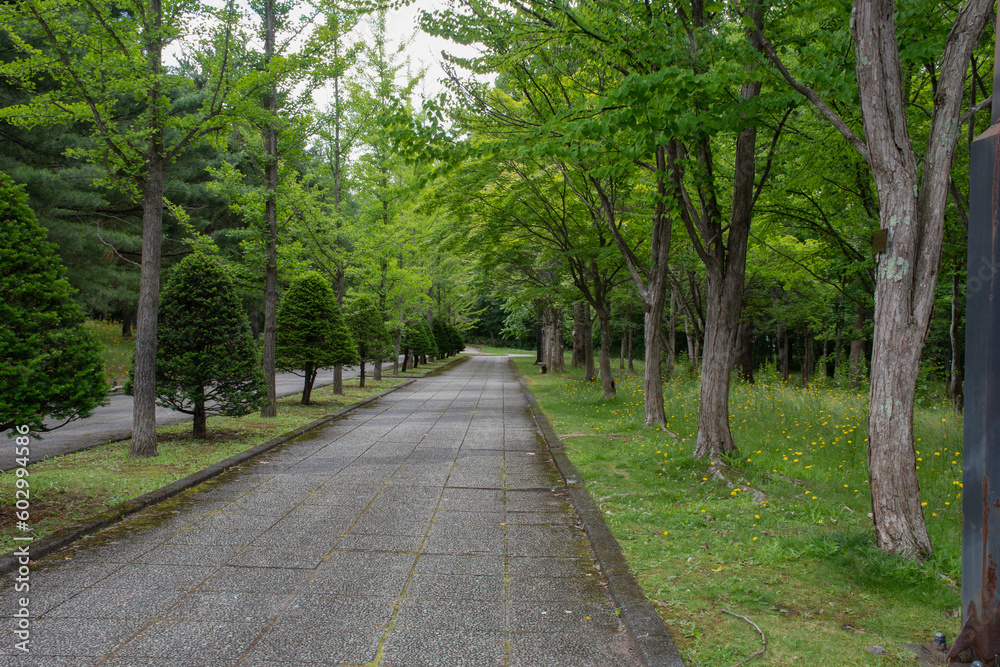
(912, 205)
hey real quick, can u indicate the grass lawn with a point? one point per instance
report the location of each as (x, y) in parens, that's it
(801, 563)
(117, 352)
(70, 488)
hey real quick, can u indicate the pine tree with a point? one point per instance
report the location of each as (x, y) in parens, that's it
(206, 359)
(312, 333)
(51, 365)
(369, 332)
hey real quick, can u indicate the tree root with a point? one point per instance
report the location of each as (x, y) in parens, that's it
(763, 640)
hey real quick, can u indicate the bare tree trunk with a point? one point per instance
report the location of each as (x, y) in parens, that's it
(377, 373)
(144, 402)
(579, 334)
(126, 322)
(270, 408)
(361, 375)
(200, 421)
(607, 377)
(309, 376)
(724, 298)
(957, 395)
(556, 362)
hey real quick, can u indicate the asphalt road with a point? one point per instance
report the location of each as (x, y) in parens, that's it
(114, 421)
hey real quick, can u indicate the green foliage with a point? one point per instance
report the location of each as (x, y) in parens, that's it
(205, 351)
(368, 329)
(51, 362)
(311, 328)
(418, 337)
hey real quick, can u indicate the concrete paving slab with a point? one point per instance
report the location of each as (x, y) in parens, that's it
(428, 528)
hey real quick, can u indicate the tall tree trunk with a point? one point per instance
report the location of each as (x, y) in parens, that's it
(652, 285)
(307, 384)
(579, 335)
(725, 273)
(144, 393)
(200, 421)
(377, 372)
(126, 322)
(957, 394)
(724, 298)
(270, 409)
(361, 374)
(144, 374)
(744, 351)
(607, 377)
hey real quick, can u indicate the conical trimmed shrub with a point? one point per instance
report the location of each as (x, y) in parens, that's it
(50, 364)
(206, 359)
(312, 333)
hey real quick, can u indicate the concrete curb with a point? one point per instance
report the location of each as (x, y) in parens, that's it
(68, 535)
(652, 639)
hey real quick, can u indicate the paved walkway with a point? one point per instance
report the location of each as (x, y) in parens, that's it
(114, 421)
(421, 530)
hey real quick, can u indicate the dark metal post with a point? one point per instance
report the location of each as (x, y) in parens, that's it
(981, 455)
